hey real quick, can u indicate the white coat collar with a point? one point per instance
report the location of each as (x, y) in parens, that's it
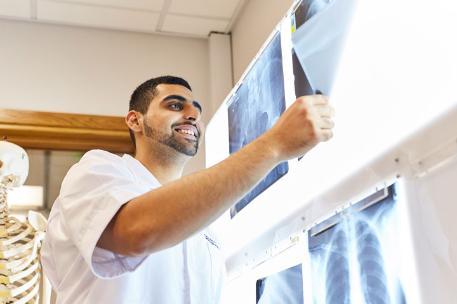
(139, 171)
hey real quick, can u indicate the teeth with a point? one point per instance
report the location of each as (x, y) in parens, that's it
(186, 132)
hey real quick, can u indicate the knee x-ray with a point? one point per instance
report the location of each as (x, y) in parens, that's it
(255, 107)
(350, 259)
(285, 287)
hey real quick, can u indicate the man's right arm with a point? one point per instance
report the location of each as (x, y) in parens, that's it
(170, 214)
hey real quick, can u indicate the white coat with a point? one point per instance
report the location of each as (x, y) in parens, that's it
(91, 194)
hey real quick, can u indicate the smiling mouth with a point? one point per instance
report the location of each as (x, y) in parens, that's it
(188, 132)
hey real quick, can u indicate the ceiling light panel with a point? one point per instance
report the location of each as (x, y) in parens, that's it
(96, 16)
(207, 8)
(193, 25)
(15, 8)
(150, 5)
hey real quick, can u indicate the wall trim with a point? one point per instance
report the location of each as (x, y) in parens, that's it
(64, 131)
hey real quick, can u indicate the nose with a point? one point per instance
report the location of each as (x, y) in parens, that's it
(192, 113)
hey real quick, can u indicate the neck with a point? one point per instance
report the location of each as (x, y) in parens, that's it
(165, 163)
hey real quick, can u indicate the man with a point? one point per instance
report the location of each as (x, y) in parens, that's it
(132, 230)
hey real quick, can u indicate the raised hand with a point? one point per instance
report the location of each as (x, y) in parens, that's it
(307, 122)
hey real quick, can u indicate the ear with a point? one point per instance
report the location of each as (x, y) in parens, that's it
(134, 120)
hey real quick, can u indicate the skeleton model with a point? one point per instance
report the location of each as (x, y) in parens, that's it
(20, 269)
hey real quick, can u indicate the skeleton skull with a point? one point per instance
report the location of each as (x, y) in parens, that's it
(14, 164)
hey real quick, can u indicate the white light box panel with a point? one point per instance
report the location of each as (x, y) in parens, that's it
(396, 245)
(391, 78)
(395, 75)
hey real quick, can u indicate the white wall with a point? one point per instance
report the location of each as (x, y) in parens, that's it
(81, 70)
(55, 68)
(252, 27)
(220, 68)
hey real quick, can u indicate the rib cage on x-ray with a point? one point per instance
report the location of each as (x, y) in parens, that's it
(372, 274)
(347, 258)
(255, 107)
(337, 274)
(285, 287)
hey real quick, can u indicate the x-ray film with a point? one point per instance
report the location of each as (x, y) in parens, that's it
(255, 107)
(353, 254)
(284, 287)
(318, 31)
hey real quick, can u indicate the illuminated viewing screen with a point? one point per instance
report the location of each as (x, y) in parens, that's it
(388, 81)
(391, 76)
(353, 255)
(255, 107)
(282, 287)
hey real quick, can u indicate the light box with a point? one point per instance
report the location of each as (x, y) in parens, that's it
(391, 71)
(395, 245)
(392, 76)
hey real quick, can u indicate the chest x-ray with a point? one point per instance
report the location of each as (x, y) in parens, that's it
(353, 257)
(285, 287)
(255, 107)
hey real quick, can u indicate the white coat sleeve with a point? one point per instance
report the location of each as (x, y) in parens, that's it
(91, 194)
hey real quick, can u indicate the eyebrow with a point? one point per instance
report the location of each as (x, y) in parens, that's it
(183, 99)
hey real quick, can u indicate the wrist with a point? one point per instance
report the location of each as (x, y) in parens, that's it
(270, 148)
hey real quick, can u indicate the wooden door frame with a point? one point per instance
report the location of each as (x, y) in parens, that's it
(64, 131)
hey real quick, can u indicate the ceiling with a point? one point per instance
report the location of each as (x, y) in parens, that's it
(195, 18)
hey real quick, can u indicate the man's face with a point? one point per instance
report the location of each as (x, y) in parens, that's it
(173, 119)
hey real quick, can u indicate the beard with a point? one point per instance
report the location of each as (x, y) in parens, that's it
(189, 148)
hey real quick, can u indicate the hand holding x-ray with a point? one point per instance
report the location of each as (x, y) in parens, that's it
(306, 123)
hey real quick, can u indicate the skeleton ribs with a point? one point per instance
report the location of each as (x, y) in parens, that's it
(20, 269)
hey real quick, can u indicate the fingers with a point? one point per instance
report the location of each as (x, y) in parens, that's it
(320, 103)
(325, 123)
(325, 135)
(326, 111)
(319, 99)
(323, 113)
(302, 126)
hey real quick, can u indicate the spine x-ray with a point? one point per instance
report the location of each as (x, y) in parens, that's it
(351, 258)
(255, 107)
